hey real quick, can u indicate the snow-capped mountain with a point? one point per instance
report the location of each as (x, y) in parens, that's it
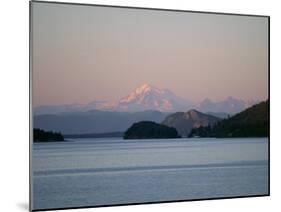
(144, 97)
(147, 97)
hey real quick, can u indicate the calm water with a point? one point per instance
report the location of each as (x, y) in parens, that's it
(89, 172)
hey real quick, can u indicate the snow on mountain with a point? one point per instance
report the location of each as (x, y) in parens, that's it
(147, 97)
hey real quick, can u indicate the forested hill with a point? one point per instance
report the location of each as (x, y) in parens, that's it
(46, 136)
(252, 122)
(149, 130)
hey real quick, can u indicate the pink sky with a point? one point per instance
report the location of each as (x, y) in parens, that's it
(81, 54)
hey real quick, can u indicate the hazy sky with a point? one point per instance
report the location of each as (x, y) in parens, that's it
(84, 53)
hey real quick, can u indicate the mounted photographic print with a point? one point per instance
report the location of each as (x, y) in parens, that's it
(137, 105)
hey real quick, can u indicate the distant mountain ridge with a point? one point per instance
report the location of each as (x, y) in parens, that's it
(148, 97)
(229, 106)
(94, 121)
(185, 122)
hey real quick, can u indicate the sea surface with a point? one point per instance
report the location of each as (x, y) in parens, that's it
(107, 171)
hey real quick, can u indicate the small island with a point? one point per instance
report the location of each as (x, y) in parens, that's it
(150, 130)
(46, 136)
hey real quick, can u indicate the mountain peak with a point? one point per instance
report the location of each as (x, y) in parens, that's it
(148, 97)
(184, 122)
(193, 111)
(144, 88)
(193, 114)
(137, 93)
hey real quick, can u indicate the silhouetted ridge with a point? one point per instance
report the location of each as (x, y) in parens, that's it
(252, 122)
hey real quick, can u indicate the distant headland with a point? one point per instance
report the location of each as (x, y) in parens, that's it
(46, 136)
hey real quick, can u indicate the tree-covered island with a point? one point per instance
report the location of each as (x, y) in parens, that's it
(150, 130)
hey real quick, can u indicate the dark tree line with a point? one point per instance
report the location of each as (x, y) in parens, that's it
(43, 136)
